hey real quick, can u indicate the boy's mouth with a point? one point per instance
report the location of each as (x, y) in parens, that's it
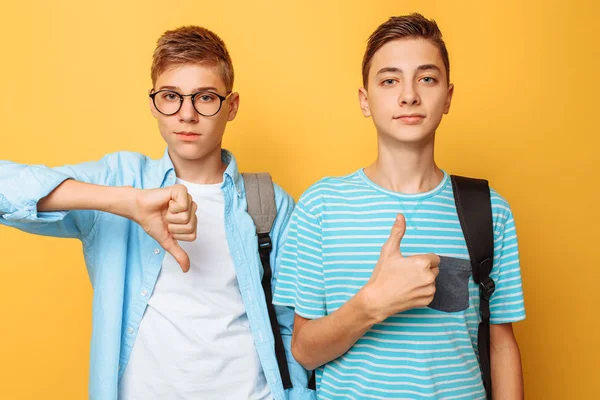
(187, 133)
(410, 119)
(187, 136)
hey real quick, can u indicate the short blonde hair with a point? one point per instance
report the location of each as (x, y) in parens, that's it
(192, 45)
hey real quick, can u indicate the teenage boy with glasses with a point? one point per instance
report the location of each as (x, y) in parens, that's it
(160, 333)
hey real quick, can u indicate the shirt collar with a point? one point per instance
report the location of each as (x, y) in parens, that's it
(165, 175)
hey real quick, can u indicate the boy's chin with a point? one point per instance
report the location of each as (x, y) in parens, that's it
(193, 153)
(408, 136)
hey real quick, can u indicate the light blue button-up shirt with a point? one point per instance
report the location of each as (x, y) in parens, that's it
(123, 262)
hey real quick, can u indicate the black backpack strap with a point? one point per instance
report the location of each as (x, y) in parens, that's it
(474, 208)
(260, 196)
(312, 382)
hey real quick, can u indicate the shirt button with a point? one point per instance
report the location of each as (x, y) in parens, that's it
(157, 251)
(144, 293)
(130, 330)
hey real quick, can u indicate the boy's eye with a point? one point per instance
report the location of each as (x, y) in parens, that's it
(206, 98)
(388, 82)
(170, 96)
(428, 79)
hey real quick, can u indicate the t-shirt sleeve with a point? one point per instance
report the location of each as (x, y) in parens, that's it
(300, 282)
(506, 303)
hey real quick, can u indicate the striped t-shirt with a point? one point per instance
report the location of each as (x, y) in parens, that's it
(334, 241)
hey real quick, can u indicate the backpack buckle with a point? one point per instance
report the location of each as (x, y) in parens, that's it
(264, 241)
(487, 287)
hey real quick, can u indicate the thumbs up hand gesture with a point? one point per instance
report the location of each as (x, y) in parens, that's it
(400, 283)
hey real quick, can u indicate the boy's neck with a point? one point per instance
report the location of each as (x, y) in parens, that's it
(405, 168)
(206, 170)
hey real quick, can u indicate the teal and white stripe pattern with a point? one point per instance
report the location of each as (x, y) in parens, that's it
(335, 237)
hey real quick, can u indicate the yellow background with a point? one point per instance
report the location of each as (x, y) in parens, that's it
(74, 80)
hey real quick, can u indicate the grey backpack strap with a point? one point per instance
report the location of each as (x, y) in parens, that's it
(260, 196)
(261, 200)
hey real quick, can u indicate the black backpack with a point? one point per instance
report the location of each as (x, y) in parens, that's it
(473, 205)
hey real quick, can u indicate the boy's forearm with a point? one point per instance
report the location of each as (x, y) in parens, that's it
(75, 195)
(319, 341)
(507, 374)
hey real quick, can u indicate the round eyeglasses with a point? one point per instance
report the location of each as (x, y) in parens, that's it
(206, 103)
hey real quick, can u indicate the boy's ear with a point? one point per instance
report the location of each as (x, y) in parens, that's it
(234, 104)
(153, 109)
(448, 98)
(363, 99)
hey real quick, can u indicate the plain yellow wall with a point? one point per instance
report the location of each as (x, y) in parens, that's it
(74, 79)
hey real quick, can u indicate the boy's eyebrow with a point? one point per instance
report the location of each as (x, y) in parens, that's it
(389, 69)
(169, 88)
(199, 89)
(428, 66)
(204, 88)
(397, 70)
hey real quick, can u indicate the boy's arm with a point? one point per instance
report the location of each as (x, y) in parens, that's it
(73, 195)
(505, 358)
(319, 341)
(397, 284)
(165, 214)
(158, 211)
(23, 186)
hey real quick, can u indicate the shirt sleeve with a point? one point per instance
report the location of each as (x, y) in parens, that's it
(300, 283)
(506, 303)
(23, 186)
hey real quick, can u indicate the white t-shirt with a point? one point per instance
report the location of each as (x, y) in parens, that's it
(194, 340)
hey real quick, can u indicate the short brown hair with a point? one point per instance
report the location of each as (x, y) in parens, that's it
(404, 27)
(192, 45)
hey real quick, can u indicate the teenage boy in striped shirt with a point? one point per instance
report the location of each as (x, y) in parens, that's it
(366, 251)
